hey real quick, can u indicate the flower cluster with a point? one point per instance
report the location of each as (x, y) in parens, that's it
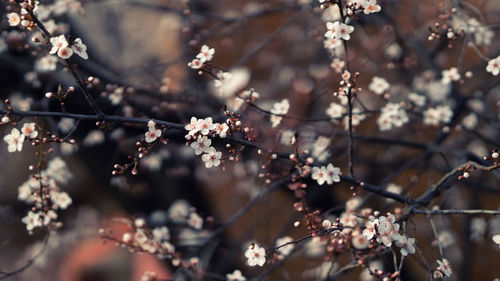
(378, 85)
(205, 55)
(444, 269)
(64, 50)
(199, 131)
(328, 174)
(338, 30)
(450, 75)
(141, 239)
(392, 115)
(279, 109)
(15, 139)
(44, 193)
(181, 212)
(440, 114)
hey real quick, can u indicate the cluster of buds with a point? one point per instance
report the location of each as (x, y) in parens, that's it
(152, 135)
(439, 30)
(465, 172)
(61, 94)
(139, 238)
(495, 157)
(20, 15)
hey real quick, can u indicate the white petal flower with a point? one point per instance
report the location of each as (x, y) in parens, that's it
(14, 140)
(29, 130)
(65, 52)
(287, 249)
(79, 48)
(255, 255)
(211, 158)
(58, 43)
(14, 19)
(494, 66)
(235, 276)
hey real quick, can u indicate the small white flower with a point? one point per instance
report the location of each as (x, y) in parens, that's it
(148, 276)
(201, 145)
(494, 66)
(191, 127)
(94, 137)
(204, 126)
(370, 229)
(255, 255)
(46, 63)
(406, 245)
(417, 99)
(195, 221)
(337, 65)
(446, 239)
(221, 129)
(450, 75)
(235, 276)
(359, 241)
(445, 267)
(336, 110)
(152, 135)
(284, 250)
(58, 43)
(32, 220)
(370, 6)
(61, 199)
(79, 48)
(378, 85)
(319, 174)
(281, 108)
(29, 130)
(470, 121)
(14, 140)
(211, 158)
(338, 30)
(206, 53)
(496, 239)
(394, 188)
(14, 19)
(333, 173)
(195, 64)
(66, 124)
(161, 233)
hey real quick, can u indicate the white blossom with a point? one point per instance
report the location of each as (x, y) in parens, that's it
(338, 30)
(14, 140)
(211, 158)
(79, 48)
(450, 75)
(378, 85)
(235, 276)
(406, 245)
(445, 267)
(29, 130)
(494, 66)
(14, 19)
(255, 255)
(287, 249)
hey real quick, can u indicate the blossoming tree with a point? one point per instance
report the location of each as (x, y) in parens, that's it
(377, 127)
